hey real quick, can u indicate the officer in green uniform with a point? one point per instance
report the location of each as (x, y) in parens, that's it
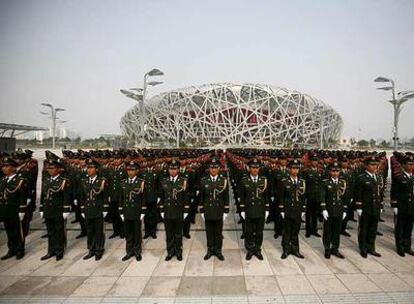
(348, 175)
(214, 208)
(132, 210)
(94, 207)
(368, 200)
(333, 210)
(174, 207)
(254, 205)
(313, 179)
(292, 206)
(55, 208)
(280, 173)
(13, 199)
(150, 199)
(402, 202)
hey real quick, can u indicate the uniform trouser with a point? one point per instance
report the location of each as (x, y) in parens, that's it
(151, 218)
(403, 231)
(331, 234)
(311, 218)
(367, 232)
(186, 225)
(349, 216)
(56, 235)
(80, 219)
(174, 235)
(290, 239)
(15, 240)
(214, 232)
(133, 236)
(253, 238)
(116, 219)
(96, 235)
(278, 227)
(272, 211)
(193, 209)
(26, 221)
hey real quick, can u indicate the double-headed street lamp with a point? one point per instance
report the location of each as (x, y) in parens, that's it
(139, 95)
(397, 101)
(53, 118)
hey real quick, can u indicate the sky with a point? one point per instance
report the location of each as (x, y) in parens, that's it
(78, 54)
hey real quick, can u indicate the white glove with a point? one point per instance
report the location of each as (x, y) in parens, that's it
(192, 200)
(395, 210)
(382, 210)
(21, 216)
(197, 192)
(325, 215)
(238, 199)
(243, 214)
(65, 215)
(272, 198)
(158, 199)
(122, 217)
(83, 215)
(41, 214)
(303, 214)
(266, 214)
(142, 217)
(343, 215)
(185, 214)
(162, 214)
(225, 215)
(109, 199)
(282, 214)
(75, 202)
(202, 215)
(359, 212)
(104, 213)
(28, 201)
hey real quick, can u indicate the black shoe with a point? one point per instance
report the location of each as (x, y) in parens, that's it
(346, 233)
(81, 236)
(374, 253)
(19, 256)
(169, 257)
(317, 234)
(98, 257)
(59, 256)
(207, 256)
(249, 256)
(298, 254)
(8, 256)
(242, 236)
(240, 221)
(147, 235)
(381, 220)
(154, 235)
(187, 236)
(284, 255)
(88, 256)
(138, 257)
(127, 257)
(327, 255)
(74, 221)
(339, 255)
(401, 253)
(44, 236)
(122, 236)
(259, 256)
(113, 235)
(220, 256)
(179, 257)
(307, 235)
(276, 236)
(410, 252)
(47, 256)
(364, 254)
(380, 233)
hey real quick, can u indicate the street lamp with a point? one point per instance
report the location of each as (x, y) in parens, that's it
(53, 118)
(397, 104)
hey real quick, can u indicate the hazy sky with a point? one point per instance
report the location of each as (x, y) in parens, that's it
(78, 54)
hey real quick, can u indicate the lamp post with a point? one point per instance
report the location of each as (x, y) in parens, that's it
(397, 101)
(53, 118)
(140, 96)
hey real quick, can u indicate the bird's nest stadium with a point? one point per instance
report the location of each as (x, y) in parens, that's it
(234, 115)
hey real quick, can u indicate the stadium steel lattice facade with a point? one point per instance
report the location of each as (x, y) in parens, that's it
(235, 115)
